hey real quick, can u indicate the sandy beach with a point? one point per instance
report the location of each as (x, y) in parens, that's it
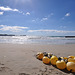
(19, 59)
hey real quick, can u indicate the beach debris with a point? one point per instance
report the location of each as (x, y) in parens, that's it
(23, 74)
(71, 66)
(54, 59)
(61, 64)
(46, 60)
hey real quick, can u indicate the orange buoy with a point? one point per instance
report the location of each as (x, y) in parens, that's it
(40, 55)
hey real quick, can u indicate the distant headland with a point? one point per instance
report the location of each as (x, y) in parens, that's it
(25, 35)
(10, 35)
(69, 36)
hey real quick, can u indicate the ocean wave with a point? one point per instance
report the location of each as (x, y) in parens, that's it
(36, 39)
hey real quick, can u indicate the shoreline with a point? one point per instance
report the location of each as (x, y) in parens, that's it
(16, 59)
(37, 40)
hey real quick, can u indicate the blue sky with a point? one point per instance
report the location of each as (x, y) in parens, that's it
(37, 17)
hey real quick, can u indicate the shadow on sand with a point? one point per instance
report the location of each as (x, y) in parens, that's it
(64, 70)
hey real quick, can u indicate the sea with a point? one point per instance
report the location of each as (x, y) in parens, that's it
(37, 40)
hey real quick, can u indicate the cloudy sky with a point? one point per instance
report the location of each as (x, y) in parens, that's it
(37, 17)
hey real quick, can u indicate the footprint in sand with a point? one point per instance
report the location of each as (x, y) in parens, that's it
(23, 74)
(5, 70)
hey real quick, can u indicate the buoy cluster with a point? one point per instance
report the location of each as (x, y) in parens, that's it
(60, 62)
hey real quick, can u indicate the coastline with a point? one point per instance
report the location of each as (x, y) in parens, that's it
(16, 59)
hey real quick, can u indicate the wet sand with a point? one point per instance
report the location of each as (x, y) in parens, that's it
(19, 59)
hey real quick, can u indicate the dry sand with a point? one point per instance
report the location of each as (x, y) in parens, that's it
(19, 59)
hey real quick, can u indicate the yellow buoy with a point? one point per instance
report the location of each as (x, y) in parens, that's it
(64, 58)
(61, 64)
(53, 60)
(71, 56)
(71, 60)
(40, 55)
(70, 66)
(46, 60)
(50, 55)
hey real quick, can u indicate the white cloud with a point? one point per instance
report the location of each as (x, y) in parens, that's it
(2, 8)
(62, 26)
(22, 1)
(47, 17)
(41, 30)
(33, 20)
(27, 13)
(12, 28)
(8, 9)
(67, 14)
(43, 19)
(52, 14)
(1, 13)
(57, 31)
